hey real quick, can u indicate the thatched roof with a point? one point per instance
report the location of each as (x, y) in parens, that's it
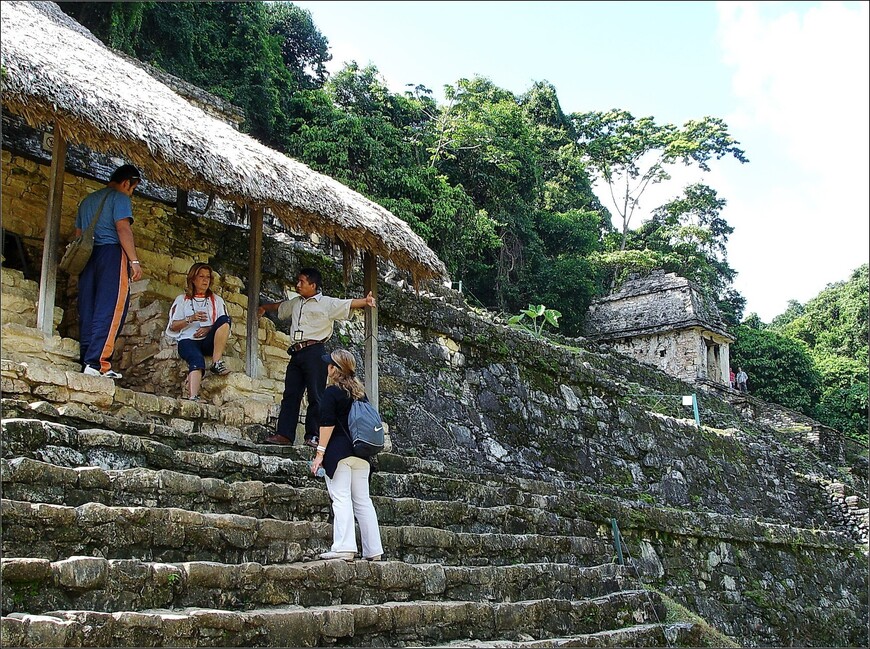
(652, 304)
(55, 71)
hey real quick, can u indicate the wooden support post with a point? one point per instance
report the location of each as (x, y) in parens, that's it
(370, 283)
(255, 255)
(50, 256)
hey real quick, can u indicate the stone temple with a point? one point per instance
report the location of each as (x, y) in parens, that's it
(667, 321)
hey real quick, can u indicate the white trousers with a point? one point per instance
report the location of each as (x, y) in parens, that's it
(349, 491)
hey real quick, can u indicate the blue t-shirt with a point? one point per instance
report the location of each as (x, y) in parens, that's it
(118, 206)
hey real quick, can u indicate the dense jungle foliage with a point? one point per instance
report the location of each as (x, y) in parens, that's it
(498, 184)
(813, 357)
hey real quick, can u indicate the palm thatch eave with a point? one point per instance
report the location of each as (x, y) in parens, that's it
(57, 73)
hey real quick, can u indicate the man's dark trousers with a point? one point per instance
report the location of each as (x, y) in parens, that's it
(305, 371)
(104, 296)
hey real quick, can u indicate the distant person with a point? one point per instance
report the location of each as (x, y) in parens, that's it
(104, 284)
(312, 316)
(731, 378)
(198, 320)
(741, 381)
(347, 476)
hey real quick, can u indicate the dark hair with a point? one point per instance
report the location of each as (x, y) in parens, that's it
(313, 275)
(125, 172)
(191, 274)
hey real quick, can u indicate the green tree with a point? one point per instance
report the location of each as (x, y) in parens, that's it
(239, 51)
(630, 154)
(304, 50)
(375, 141)
(518, 158)
(688, 236)
(843, 403)
(118, 24)
(484, 143)
(780, 368)
(836, 320)
(794, 310)
(834, 326)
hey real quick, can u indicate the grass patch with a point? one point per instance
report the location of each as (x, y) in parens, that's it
(710, 636)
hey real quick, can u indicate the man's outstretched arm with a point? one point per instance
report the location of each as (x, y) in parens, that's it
(363, 302)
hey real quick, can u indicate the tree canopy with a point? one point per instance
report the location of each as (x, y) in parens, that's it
(498, 184)
(780, 368)
(834, 327)
(630, 153)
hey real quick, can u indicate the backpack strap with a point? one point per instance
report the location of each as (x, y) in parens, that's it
(341, 421)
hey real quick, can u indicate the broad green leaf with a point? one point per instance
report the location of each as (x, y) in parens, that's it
(552, 317)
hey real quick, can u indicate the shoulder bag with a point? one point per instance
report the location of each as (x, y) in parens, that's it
(78, 251)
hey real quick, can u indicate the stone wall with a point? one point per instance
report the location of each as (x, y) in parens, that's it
(681, 354)
(478, 395)
(474, 389)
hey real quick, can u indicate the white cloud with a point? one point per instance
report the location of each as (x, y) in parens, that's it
(801, 82)
(803, 77)
(344, 52)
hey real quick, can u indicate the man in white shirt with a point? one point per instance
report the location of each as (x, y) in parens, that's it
(742, 379)
(312, 316)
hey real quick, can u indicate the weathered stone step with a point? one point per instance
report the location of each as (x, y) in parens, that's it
(77, 394)
(35, 481)
(189, 434)
(185, 430)
(389, 624)
(142, 443)
(55, 532)
(66, 446)
(678, 634)
(93, 583)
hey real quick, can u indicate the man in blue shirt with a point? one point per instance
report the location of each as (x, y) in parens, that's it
(104, 285)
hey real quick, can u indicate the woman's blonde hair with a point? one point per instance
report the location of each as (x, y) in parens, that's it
(191, 275)
(345, 374)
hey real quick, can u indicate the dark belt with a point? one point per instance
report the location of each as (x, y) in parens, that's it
(300, 346)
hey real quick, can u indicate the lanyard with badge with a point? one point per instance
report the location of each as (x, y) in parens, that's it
(297, 335)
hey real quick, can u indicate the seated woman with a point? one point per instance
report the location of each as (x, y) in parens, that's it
(347, 476)
(198, 320)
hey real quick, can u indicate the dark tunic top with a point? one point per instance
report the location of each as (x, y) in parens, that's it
(334, 409)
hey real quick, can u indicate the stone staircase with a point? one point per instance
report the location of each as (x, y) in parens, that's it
(157, 522)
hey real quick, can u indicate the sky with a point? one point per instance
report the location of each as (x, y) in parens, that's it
(789, 78)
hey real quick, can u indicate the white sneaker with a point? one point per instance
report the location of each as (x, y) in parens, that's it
(90, 371)
(112, 374)
(347, 556)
